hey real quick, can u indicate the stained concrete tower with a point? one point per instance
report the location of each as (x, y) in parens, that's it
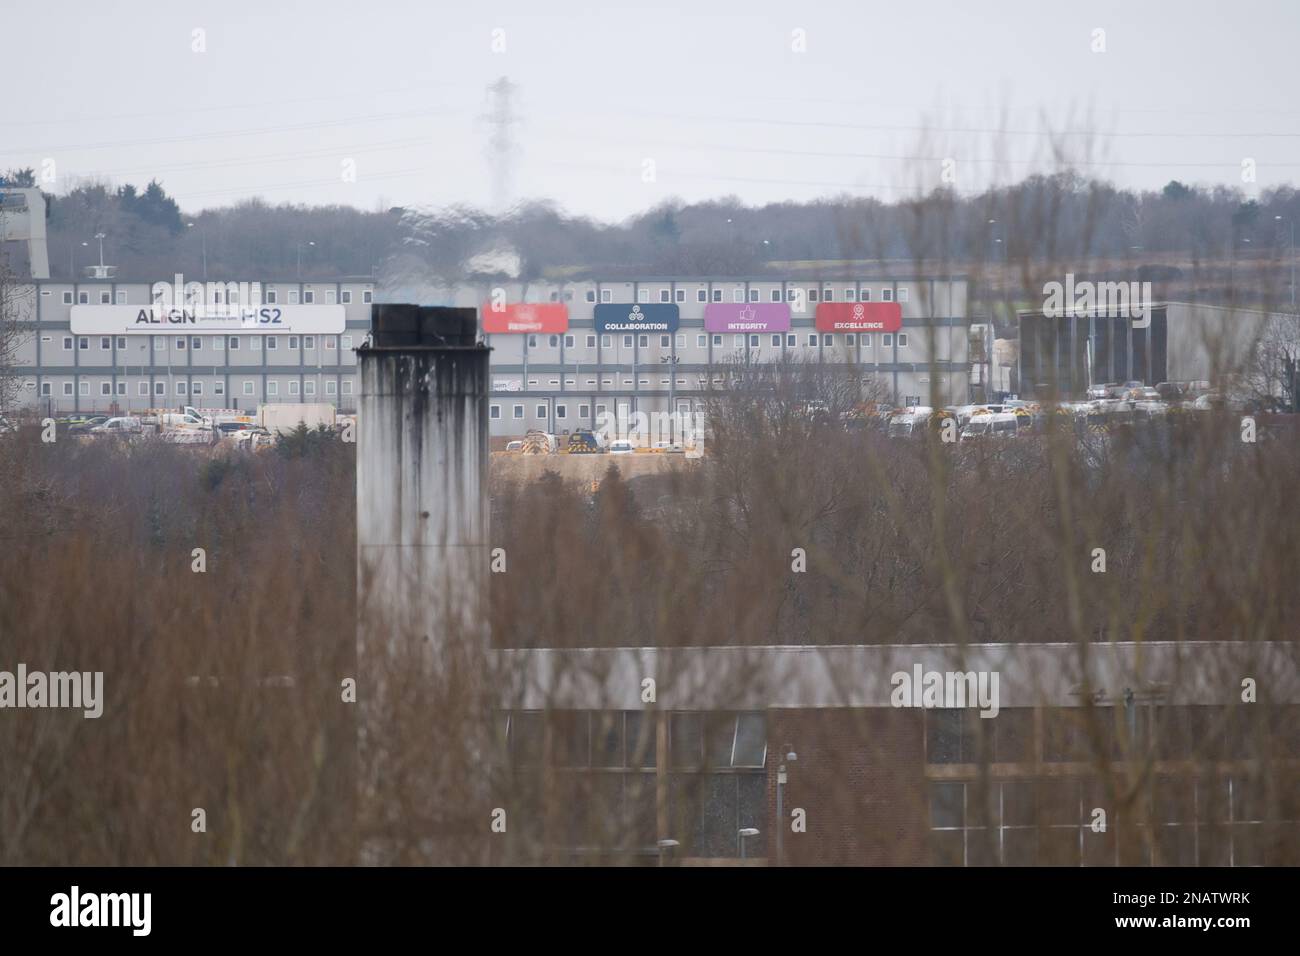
(422, 565)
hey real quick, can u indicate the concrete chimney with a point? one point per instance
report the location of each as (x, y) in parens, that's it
(422, 565)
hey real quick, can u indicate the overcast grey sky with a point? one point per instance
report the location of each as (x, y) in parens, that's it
(713, 94)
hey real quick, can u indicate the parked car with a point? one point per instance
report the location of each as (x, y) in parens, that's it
(669, 448)
(514, 446)
(621, 446)
(123, 425)
(87, 424)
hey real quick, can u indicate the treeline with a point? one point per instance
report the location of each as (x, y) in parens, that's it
(1065, 217)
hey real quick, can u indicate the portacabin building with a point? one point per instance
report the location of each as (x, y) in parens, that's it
(562, 354)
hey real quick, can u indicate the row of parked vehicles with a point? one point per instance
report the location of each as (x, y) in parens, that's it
(584, 441)
(192, 426)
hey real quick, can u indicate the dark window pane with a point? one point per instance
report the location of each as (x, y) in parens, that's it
(721, 737)
(686, 739)
(982, 847)
(1061, 736)
(751, 741)
(715, 822)
(1099, 848)
(946, 848)
(527, 732)
(1247, 844)
(571, 739)
(1058, 801)
(1058, 846)
(1175, 800)
(752, 810)
(946, 804)
(1019, 803)
(1020, 847)
(1015, 735)
(607, 739)
(639, 790)
(943, 736)
(609, 821)
(1175, 846)
(642, 741)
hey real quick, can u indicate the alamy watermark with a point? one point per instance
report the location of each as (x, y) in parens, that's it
(946, 689)
(1127, 300)
(78, 690)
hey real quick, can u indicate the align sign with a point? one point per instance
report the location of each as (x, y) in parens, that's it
(859, 317)
(747, 317)
(169, 320)
(627, 317)
(525, 317)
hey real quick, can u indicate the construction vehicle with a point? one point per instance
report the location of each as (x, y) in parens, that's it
(538, 442)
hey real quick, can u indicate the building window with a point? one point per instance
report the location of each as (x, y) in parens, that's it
(902, 295)
(197, 389)
(561, 411)
(347, 386)
(701, 295)
(272, 388)
(232, 343)
(293, 388)
(67, 298)
(293, 341)
(105, 388)
(247, 388)
(196, 344)
(627, 341)
(583, 410)
(591, 341)
(738, 294)
(886, 341)
(218, 388)
(606, 295)
(902, 340)
(309, 341)
(828, 340)
(851, 340)
(494, 411)
(717, 341)
(309, 296)
(345, 297)
(105, 297)
(181, 388)
(541, 411)
(83, 298)
(866, 295)
(121, 343)
(643, 295)
(553, 341)
(309, 387)
(792, 341)
(812, 295)
(67, 388)
(159, 388)
(740, 341)
(569, 341)
(67, 343)
(753, 295)
(272, 342)
(83, 343)
(591, 295)
(271, 296)
(367, 296)
(347, 341)
(866, 340)
(518, 411)
(775, 295)
(886, 295)
(850, 295)
(664, 295)
(828, 295)
(331, 343)
(717, 295)
(332, 388)
(665, 341)
(776, 341)
(120, 388)
(329, 296)
(607, 341)
(180, 343)
(812, 340)
(701, 341)
(45, 389)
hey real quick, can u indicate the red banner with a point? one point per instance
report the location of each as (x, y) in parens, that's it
(859, 316)
(526, 317)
